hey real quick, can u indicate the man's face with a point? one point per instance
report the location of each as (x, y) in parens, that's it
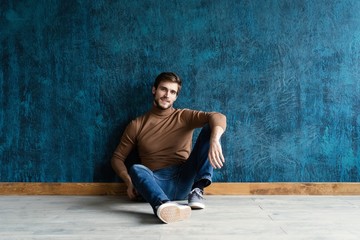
(165, 94)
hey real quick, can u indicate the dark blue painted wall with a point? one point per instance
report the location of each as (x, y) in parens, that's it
(286, 74)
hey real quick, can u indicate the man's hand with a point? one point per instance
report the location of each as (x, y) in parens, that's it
(131, 192)
(216, 156)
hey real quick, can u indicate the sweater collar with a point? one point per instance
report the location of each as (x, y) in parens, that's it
(162, 113)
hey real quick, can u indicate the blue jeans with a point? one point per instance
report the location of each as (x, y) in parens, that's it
(174, 182)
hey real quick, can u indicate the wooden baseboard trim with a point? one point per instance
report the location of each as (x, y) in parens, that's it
(62, 189)
(287, 188)
(215, 189)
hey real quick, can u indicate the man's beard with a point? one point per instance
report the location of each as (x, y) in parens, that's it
(157, 103)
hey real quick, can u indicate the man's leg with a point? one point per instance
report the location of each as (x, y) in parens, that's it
(147, 185)
(204, 172)
(196, 173)
(200, 153)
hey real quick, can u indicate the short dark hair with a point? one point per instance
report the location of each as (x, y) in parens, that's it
(168, 77)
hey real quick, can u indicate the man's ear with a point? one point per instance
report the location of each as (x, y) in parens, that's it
(153, 90)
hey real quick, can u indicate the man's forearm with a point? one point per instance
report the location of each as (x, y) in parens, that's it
(215, 154)
(120, 169)
(216, 133)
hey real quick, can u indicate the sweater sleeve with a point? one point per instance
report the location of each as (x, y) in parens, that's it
(126, 145)
(198, 119)
(217, 119)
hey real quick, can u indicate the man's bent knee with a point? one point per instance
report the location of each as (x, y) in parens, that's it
(136, 169)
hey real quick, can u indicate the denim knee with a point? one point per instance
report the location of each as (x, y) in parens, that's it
(136, 169)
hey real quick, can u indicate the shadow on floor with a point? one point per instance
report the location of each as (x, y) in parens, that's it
(138, 211)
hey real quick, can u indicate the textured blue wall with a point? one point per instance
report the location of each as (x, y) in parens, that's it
(286, 74)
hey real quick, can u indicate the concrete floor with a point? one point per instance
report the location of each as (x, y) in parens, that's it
(226, 217)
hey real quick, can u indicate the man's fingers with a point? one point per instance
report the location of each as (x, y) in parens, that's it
(216, 160)
(131, 192)
(222, 158)
(215, 155)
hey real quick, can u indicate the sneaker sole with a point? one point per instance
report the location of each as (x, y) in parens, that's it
(173, 212)
(196, 205)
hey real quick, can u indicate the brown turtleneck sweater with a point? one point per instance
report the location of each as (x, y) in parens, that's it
(164, 137)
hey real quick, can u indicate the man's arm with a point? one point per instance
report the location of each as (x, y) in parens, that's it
(217, 124)
(120, 169)
(118, 160)
(215, 155)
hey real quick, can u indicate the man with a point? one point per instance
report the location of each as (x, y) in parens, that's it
(163, 138)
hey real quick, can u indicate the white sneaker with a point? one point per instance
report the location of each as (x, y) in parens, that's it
(173, 212)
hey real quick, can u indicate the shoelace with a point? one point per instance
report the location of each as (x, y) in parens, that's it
(199, 193)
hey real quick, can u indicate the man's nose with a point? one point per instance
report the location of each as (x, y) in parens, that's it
(166, 93)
